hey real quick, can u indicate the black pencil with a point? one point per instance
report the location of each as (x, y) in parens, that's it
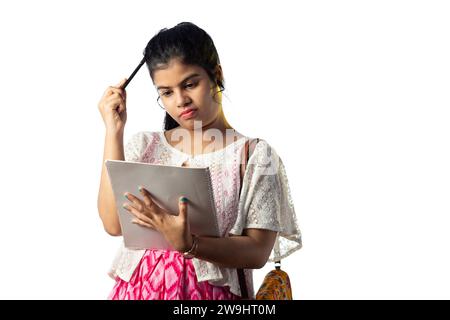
(134, 72)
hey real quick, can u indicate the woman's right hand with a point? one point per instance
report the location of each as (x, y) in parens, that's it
(113, 109)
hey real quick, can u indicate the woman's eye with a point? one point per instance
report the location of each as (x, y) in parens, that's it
(191, 85)
(166, 94)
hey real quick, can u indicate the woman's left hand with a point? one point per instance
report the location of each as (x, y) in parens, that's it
(175, 228)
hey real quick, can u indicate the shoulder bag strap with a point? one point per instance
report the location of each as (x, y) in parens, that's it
(246, 155)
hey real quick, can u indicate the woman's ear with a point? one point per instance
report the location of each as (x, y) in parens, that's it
(219, 74)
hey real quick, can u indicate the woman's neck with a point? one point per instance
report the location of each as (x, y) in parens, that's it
(200, 137)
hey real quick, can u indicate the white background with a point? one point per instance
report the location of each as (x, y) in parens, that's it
(353, 95)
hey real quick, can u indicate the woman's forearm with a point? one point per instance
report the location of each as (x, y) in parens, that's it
(237, 251)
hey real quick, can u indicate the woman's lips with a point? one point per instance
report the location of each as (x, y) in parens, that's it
(188, 114)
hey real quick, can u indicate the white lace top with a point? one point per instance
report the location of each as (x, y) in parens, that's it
(265, 202)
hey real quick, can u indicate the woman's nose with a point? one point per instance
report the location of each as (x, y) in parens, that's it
(182, 98)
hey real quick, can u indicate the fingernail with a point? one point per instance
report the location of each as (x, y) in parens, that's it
(140, 188)
(125, 195)
(183, 199)
(124, 205)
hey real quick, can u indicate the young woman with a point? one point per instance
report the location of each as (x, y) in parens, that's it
(256, 220)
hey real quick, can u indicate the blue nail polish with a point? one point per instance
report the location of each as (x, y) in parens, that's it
(184, 199)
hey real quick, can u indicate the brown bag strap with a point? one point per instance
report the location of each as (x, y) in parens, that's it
(246, 155)
(248, 150)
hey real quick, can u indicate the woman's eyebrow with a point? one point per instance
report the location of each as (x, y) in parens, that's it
(185, 79)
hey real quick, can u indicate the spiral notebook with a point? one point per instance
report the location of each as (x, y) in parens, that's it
(166, 184)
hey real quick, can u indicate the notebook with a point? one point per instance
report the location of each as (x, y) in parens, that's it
(166, 184)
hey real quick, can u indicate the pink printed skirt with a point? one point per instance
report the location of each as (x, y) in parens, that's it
(167, 275)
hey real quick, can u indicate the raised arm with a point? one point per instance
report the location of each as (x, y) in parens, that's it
(112, 107)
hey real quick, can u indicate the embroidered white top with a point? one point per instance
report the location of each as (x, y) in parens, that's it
(265, 201)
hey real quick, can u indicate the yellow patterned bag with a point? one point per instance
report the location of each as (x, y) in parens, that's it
(276, 286)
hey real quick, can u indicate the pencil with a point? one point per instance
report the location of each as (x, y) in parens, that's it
(134, 72)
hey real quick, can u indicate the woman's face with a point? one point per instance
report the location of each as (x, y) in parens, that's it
(186, 93)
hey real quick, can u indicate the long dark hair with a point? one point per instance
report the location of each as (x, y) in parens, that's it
(192, 45)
